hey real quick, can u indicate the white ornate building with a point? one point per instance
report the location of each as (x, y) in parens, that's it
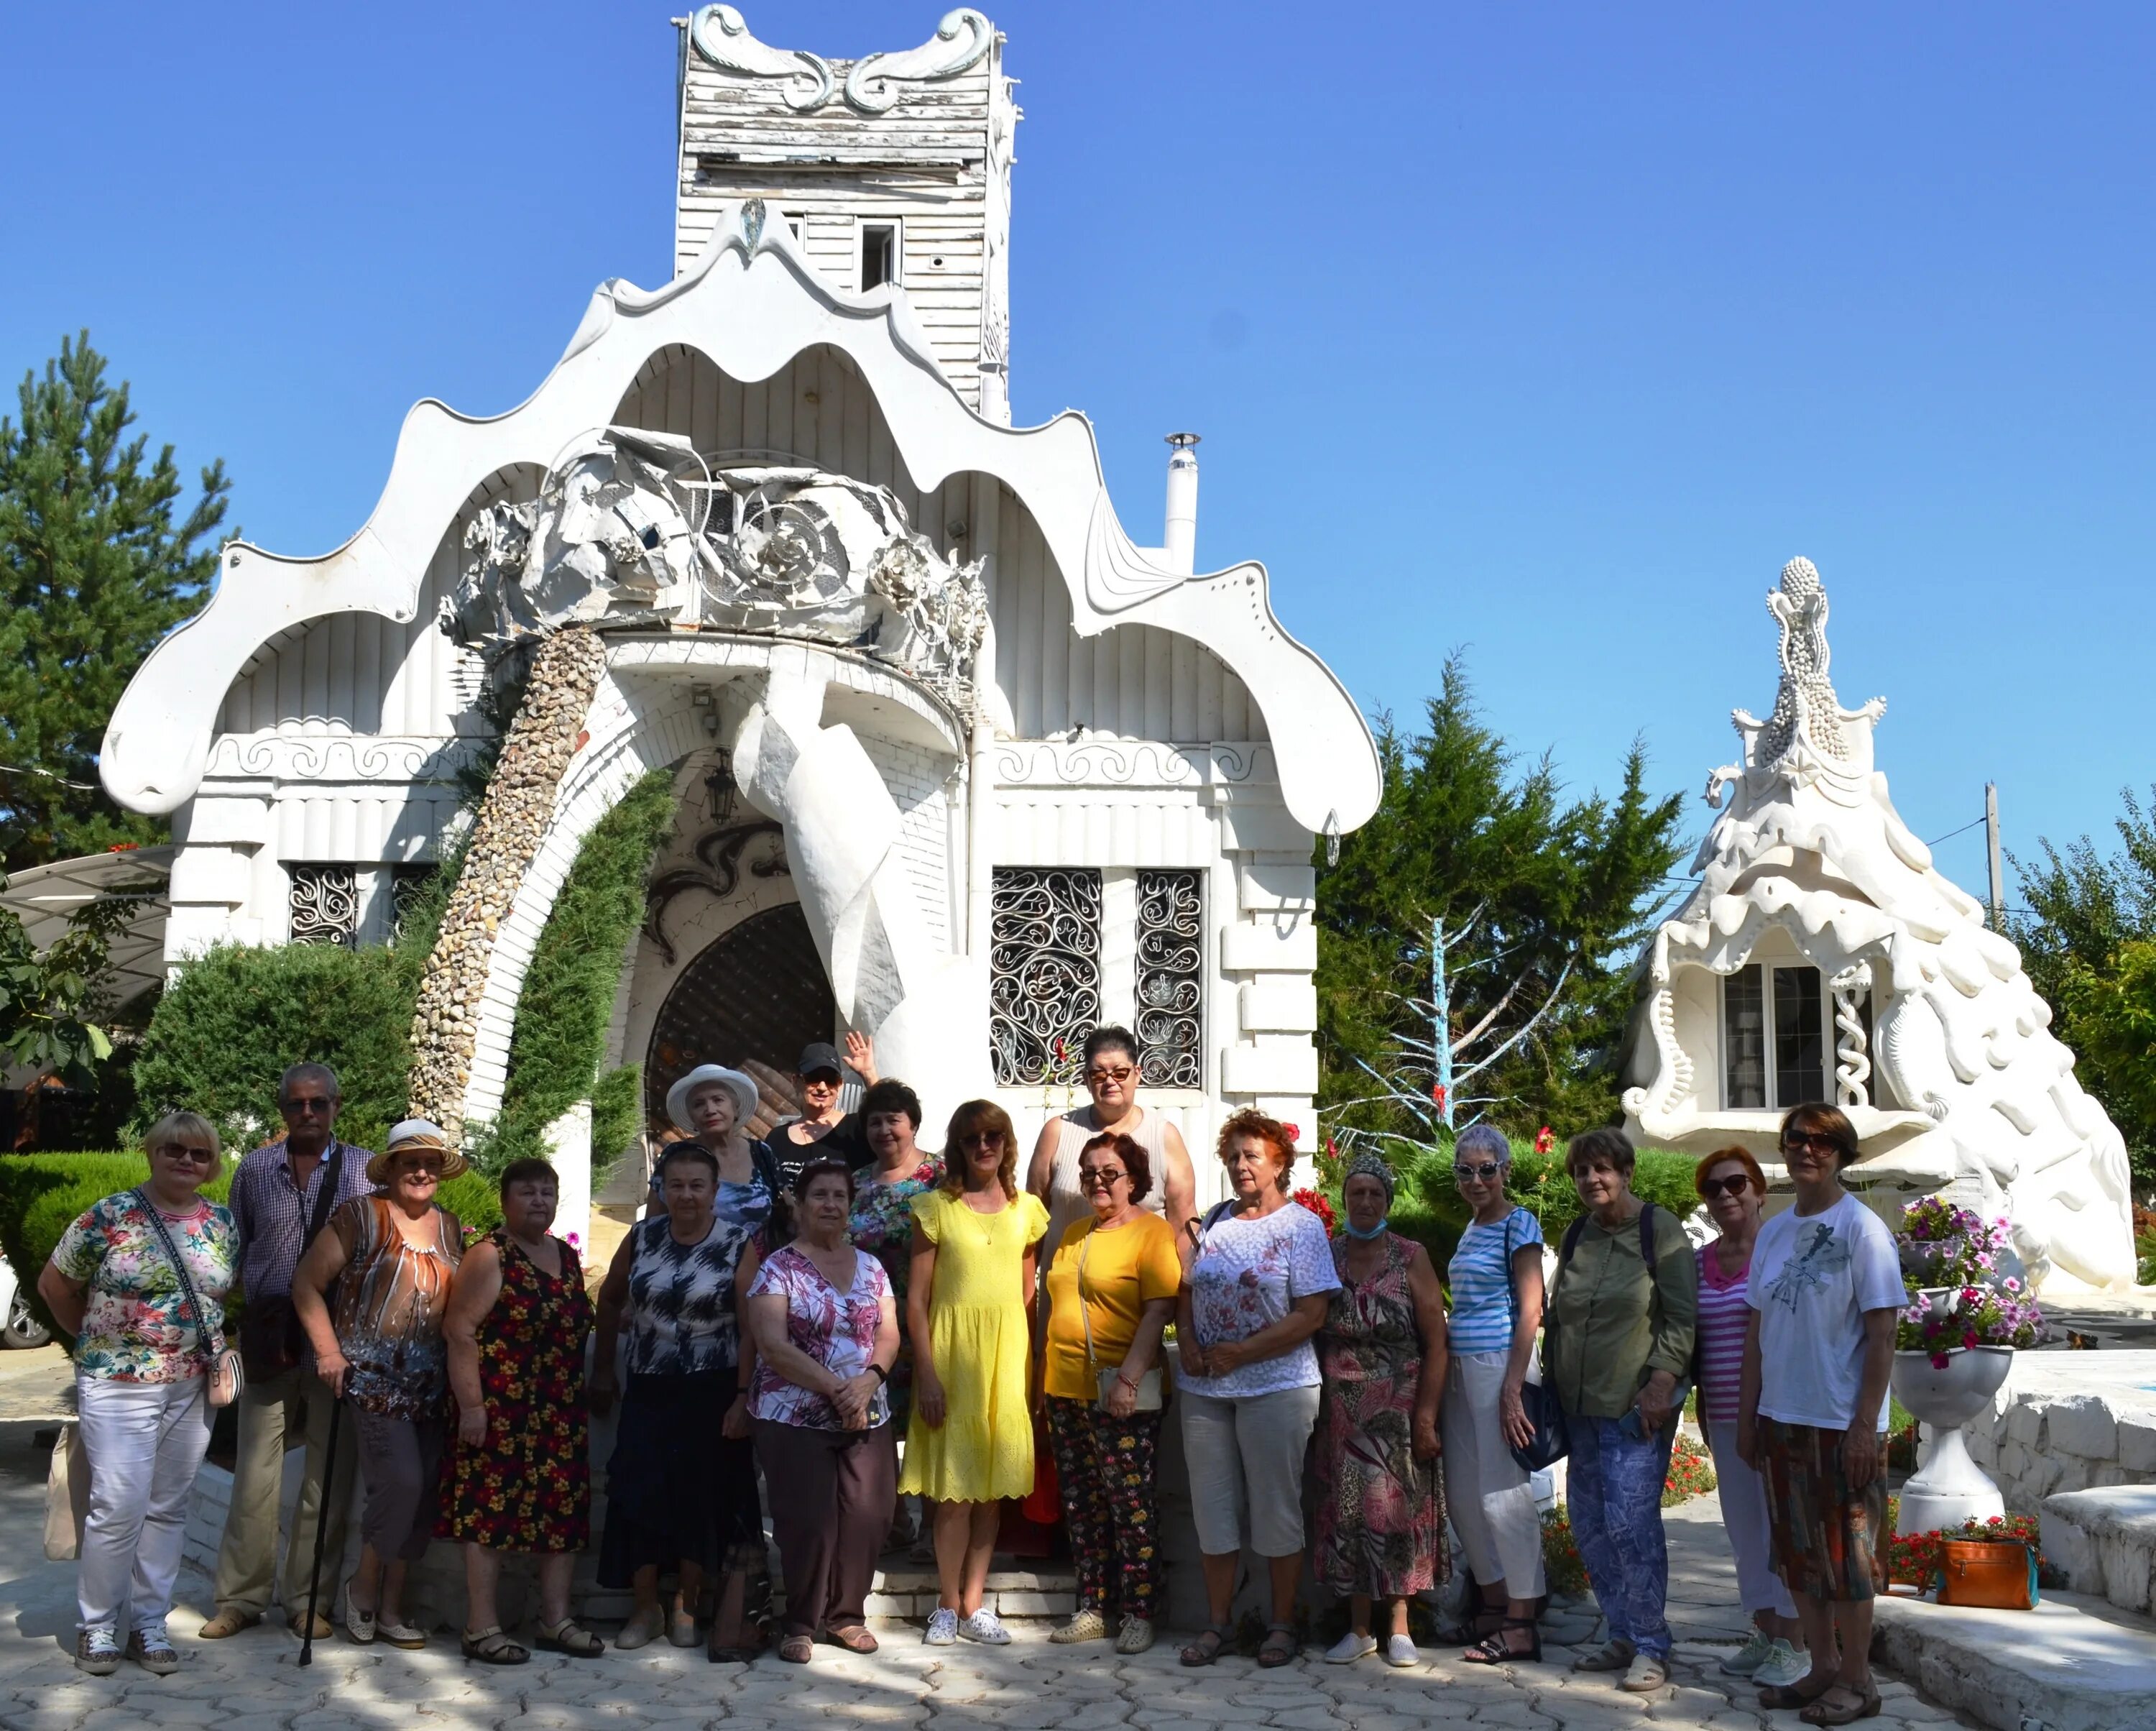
(958, 761)
(1824, 956)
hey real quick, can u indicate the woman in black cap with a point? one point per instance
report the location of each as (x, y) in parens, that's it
(825, 1132)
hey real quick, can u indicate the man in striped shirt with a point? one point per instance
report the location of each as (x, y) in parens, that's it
(277, 1196)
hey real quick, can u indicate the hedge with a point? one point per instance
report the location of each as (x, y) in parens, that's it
(41, 1195)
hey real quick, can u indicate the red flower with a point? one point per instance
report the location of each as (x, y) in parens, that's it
(1294, 1133)
(1545, 1140)
(1315, 1201)
(1332, 1153)
(1437, 1096)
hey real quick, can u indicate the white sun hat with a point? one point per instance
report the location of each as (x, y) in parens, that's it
(747, 1095)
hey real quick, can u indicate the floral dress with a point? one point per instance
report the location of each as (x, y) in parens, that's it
(883, 1226)
(1379, 1511)
(137, 1326)
(527, 1487)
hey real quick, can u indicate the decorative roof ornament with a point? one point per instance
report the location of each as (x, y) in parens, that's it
(876, 82)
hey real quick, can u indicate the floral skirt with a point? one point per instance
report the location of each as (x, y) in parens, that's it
(1826, 1534)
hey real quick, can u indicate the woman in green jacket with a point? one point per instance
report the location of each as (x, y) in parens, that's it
(1616, 1346)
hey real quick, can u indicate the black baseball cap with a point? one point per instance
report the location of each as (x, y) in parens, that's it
(820, 1054)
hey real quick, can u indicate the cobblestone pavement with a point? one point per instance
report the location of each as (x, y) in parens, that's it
(254, 1682)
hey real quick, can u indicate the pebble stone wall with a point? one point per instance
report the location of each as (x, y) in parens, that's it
(513, 817)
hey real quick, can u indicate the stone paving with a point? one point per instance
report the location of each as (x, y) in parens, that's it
(253, 1682)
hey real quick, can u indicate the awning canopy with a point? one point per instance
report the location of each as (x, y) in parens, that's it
(44, 897)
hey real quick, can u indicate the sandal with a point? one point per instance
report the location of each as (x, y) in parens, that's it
(797, 1649)
(1780, 1697)
(855, 1639)
(567, 1636)
(1864, 1702)
(491, 1647)
(1275, 1651)
(1209, 1647)
(1496, 1648)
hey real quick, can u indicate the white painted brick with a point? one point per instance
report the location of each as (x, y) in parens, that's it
(244, 822)
(217, 875)
(1035, 1605)
(1281, 945)
(1264, 883)
(1262, 829)
(1282, 1006)
(2082, 1425)
(2137, 1446)
(1269, 1070)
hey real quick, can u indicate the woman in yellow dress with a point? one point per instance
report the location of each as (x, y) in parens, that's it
(970, 1316)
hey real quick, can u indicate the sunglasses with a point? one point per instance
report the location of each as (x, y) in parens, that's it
(431, 1168)
(981, 1138)
(1123, 1074)
(1101, 1180)
(178, 1151)
(1487, 1169)
(1823, 1146)
(1711, 1188)
(311, 1103)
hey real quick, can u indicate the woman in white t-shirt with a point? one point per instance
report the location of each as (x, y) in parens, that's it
(1256, 1282)
(1825, 1290)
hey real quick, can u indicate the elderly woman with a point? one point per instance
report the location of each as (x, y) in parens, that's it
(1379, 1519)
(1615, 1347)
(713, 1105)
(1111, 1290)
(968, 1311)
(1826, 1291)
(1496, 1278)
(1733, 1189)
(826, 1130)
(826, 1330)
(882, 1225)
(520, 1478)
(139, 1281)
(1258, 1278)
(1112, 1075)
(681, 1491)
(392, 1257)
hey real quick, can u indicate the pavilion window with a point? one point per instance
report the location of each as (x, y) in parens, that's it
(1044, 972)
(1744, 1038)
(879, 254)
(1774, 1027)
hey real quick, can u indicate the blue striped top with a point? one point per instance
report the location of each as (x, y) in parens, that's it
(1480, 1273)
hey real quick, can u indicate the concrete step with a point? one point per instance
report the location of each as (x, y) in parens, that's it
(2104, 1540)
(2074, 1663)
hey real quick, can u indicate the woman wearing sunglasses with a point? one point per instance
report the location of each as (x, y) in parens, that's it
(1495, 1274)
(1731, 1184)
(146, 1327)
(1112, 1073)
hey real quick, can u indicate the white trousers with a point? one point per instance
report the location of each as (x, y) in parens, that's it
(1491, 1504)
(145, 1441)
(1743, 1497)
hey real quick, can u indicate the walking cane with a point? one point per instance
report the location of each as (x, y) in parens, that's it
(321, 1529)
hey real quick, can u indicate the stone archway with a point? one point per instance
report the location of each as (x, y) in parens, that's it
(757, 993)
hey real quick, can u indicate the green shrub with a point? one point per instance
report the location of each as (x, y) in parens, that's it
(1428, 1207)
(236, 1016)
(559, 1041)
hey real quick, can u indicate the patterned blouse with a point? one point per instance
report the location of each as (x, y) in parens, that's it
(137, 1328)
(883, 1219)
(1247, 1275)
(390, 1302)
(683, 1317)
(837, 1329)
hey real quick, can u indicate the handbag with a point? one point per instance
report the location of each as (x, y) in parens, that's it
(1993, 1575)
(67, 1495)
(220, 1362)
(1146, 1396)
(271, 1341)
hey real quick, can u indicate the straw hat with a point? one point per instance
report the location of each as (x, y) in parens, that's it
(745, 1095)
(414, 1133)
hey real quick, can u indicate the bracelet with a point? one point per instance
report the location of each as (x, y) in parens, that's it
(1124, 1380)
(878, 1372)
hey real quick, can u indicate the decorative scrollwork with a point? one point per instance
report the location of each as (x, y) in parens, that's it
(1852, 1063)
(406, 884)
(324, 905)
(1044, 972)
(1171, 952)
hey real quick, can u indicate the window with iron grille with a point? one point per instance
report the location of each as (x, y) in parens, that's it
(1044, 972)
(1171, 1025)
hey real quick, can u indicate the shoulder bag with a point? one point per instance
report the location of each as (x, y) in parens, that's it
(67, 1495)
(220, 1363)
(1552, 1441)
(271, 1341)
(1147, 1394)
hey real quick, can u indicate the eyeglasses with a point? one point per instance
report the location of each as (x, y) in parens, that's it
(310, 1103)
(1825, 1146)
(1102, 1074)
(983, 1138)
(1487, 1169)
(430, 1168)
(1711, 1188)
(193, 1156)
(821, 1078)
(1101, 1180)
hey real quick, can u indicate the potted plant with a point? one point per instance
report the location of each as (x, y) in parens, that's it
(1954, 1345)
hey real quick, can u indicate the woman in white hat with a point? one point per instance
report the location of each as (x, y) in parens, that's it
(713, 1105)
(391, 1257)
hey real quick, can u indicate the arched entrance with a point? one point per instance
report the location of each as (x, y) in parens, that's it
(756, 992)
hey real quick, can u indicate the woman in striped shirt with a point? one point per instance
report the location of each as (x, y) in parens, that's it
(1496, 1279)
(1730, 1183)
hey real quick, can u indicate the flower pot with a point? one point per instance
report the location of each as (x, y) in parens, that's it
(1949, 1488)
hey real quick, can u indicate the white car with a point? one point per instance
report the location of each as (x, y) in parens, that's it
(22, 1329)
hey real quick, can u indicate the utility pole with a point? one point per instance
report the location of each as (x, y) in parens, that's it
(1991, 841)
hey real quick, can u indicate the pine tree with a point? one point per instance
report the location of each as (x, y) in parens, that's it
(1558, 885)
(94, 568)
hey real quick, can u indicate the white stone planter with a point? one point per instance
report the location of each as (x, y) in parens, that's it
(1950, 1487)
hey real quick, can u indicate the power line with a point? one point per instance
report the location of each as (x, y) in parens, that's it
(1964, 830)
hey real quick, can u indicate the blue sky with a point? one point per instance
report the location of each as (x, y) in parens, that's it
(1547, 333)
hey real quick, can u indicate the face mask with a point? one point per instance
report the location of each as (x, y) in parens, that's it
(1376, 1231)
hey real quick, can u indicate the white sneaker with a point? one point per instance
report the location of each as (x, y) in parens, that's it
(1646, 1675)
(942, 1628)
(1136, 1636)
(985, 1626)
(1783, 1668)
(1350, 1648)
(1750, 1657)
(1400, 1651)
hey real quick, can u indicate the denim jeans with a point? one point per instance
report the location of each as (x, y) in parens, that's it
(1613, 1489)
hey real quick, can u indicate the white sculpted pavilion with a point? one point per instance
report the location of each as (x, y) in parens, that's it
(1824, 956)
(957, 763)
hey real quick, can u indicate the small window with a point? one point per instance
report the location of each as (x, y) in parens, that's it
(1774, 1027)
(1744, 1039)
(879, 254)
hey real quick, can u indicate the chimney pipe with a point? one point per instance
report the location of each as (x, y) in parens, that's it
(1180, 542)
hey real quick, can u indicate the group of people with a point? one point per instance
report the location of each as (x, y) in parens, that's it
(790, 1307)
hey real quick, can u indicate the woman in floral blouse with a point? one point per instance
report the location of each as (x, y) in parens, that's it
(145, 1331)
(883, 1207)
(826, 1330)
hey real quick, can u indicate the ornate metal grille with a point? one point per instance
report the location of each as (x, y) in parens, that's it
(1171, 1027)
(407, 884)
(324, 905)
(1044, 972)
